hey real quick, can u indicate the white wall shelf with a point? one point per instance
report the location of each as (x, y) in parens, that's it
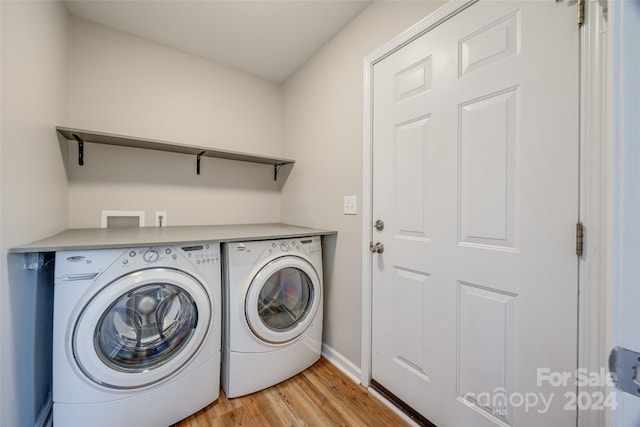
(81, 136)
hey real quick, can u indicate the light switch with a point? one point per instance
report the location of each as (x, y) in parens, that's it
(350, 205)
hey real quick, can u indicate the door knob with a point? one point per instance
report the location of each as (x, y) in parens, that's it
(379, 225)
(376, 248)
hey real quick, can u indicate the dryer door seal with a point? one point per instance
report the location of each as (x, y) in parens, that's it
(282, 300)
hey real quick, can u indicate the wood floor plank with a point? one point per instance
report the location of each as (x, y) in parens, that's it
(320, 396)
(354, 402)
(301, 404)
(266, 412)
(235, 417)
(328, 403)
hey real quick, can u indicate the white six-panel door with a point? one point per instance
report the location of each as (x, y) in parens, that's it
(475, 175)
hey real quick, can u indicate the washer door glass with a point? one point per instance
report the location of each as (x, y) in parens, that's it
(282, 299)
(146, 327)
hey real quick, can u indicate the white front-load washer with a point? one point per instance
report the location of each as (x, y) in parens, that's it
(272, 310)
(136, 334)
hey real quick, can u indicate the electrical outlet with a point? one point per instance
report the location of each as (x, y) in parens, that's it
(350, 205)
(161, 219)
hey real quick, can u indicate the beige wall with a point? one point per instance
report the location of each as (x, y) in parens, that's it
(122, 84)
(323, 121)
(33, 194)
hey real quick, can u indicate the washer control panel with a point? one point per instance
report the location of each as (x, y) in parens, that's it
(200, 255)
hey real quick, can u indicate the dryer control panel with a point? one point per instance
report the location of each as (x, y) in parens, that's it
(251, 253)
(312, 245)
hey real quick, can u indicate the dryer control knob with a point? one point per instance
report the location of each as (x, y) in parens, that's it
(284, 246)
(151, 255)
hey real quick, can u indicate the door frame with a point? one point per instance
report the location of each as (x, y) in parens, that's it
(595, 189)
(623, 102)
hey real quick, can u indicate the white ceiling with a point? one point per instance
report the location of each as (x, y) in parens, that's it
(270, 39)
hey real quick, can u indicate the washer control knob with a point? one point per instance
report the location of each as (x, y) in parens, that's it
(168, 251)
(151, 255)
(284, 246)
(132, 254)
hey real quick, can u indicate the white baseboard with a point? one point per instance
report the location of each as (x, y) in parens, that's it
(45, 417)
(342, 363)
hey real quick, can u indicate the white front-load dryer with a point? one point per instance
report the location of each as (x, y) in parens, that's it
(273, 312)
(136, 334)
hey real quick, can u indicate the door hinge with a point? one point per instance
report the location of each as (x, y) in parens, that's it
(580, 13)
(624, 368)
(579, 238)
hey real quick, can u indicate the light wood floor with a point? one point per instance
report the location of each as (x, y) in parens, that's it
(320, 396)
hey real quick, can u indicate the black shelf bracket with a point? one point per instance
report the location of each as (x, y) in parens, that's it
(80, 149)
(198, 157)
(276, 169)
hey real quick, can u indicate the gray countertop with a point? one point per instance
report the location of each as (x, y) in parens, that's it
(101, 238)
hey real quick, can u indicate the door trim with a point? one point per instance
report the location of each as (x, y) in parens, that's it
(596, 184)
(594, 194)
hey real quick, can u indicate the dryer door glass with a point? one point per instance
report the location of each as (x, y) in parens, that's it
(145, 327)
(285, 299)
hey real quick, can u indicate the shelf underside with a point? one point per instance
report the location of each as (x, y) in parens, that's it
(150, 144)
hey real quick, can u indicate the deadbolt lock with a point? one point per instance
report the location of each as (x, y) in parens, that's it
(379, 225)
